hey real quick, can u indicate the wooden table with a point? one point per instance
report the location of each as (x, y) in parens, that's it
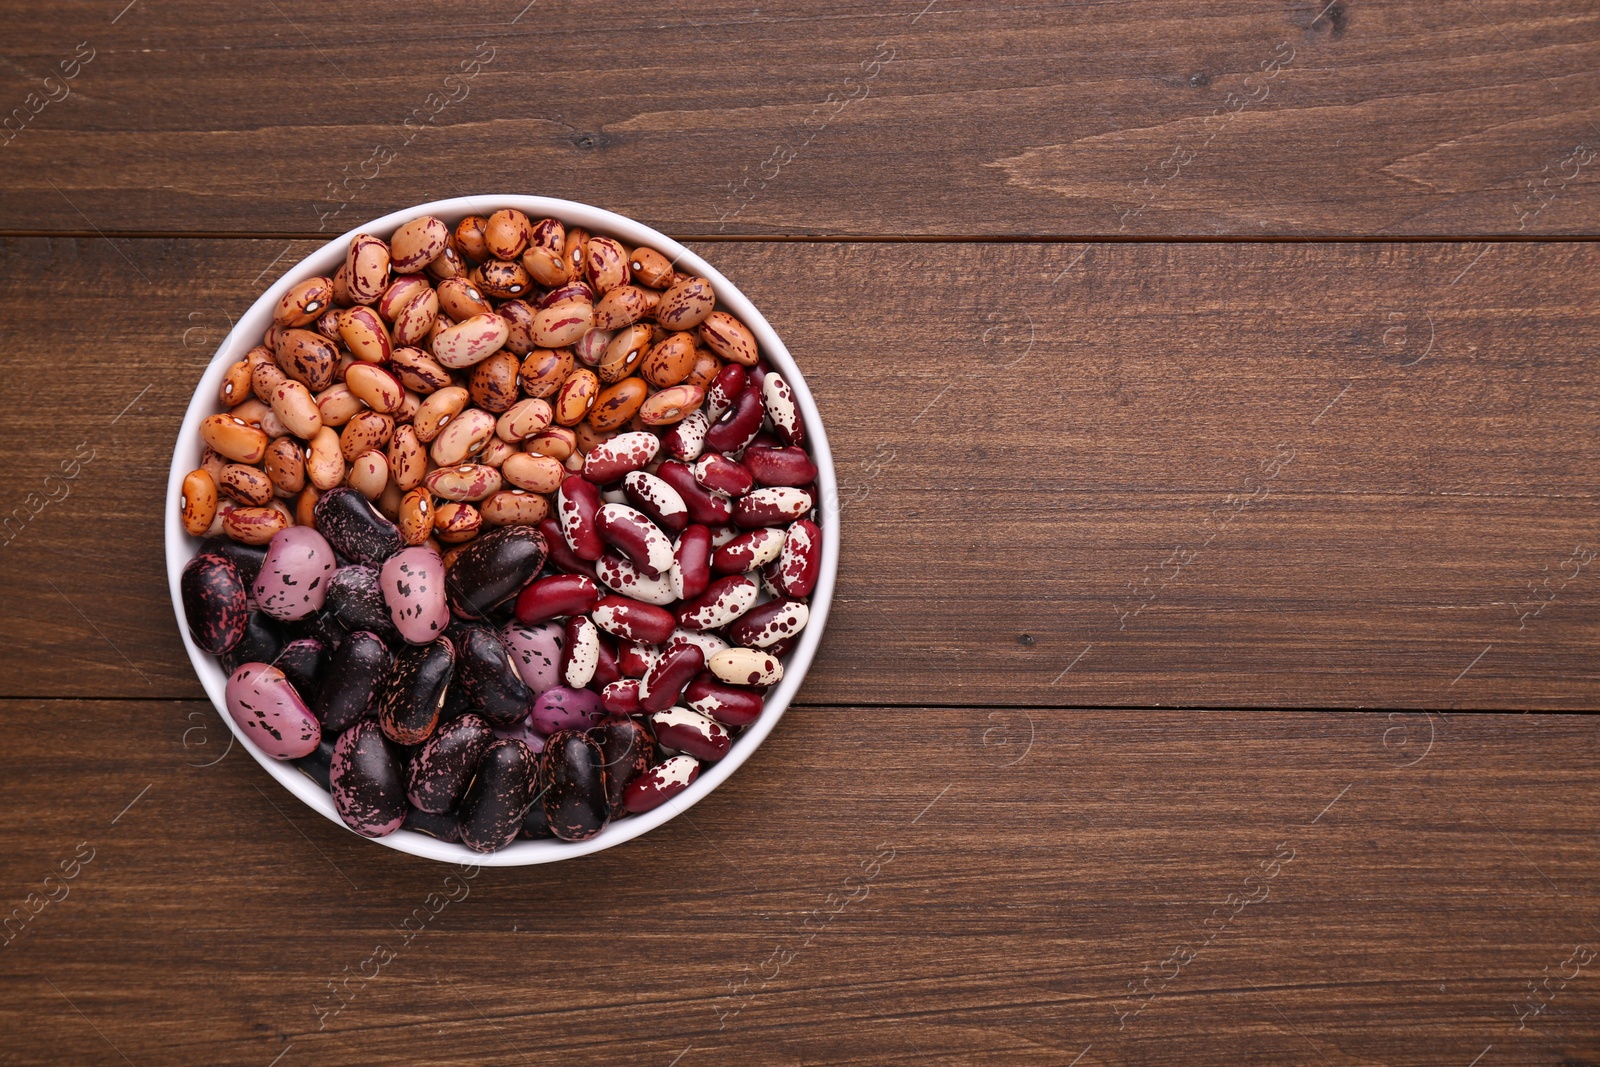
(1214, 392)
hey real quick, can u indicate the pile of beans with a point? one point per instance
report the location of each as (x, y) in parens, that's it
(508, 529)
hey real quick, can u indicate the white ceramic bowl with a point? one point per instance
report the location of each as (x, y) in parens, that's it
(186, 456)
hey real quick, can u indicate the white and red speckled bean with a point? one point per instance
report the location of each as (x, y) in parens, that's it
(413, 588)
(718, 474)
(800, 562)
(660, 784)
(691, 732)
(663, 683)
(721, 535)
(621, 697)
(746, 666)
(625, 452)
(577, 503)
(783, 409)
(723, 601)
(635, 657)
(271, 714)
(632, 533)
(772, 506)
(582, 652)
(294, 575)
(656, 499)
(779, 466)
(705, 508)
(556, 596)
(767, 624)
(738, 425)
(687, 439)
(749, 550)
(691, 563)
(731, 705)
(723, 390)
(633, 620)
(619, 575)
(709, 644)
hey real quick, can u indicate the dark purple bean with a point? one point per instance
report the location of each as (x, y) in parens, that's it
(354, 527)
(416, 691)
(485, 672)
(302, 662)
(536, 825)
(319, 762)
(573, 779)
(355, 679)
(263, 639)
(248, 558)
(498, 799)
(440, 772)
(214, 602)
(445, 827)
(626, 747)
(368, 789)
(493, 569)
(356, 599)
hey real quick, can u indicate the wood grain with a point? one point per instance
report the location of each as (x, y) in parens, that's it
(1039, 864)
(1294, 118)
(1195, 474)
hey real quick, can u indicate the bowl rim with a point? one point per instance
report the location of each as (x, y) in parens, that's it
(180, 545)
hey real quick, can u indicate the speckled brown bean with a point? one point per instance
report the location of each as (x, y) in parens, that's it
(705, 371)
(535, 473)
(415, 244)
(623, 354)
(401, 292)
(455, 522)
(671, 405)
(341, 287)
(304, 301)
(305, 506)
(465, 436)
(503, 280)
(622, 306)
(469, 237)
(469, 482)
(669, 362)
(576, 397)
(308, 358)
(496, 451)
(367, 268)
(297, 409)
(416, 317)
(338, 405)
(590, 438)
(254, 526)
(264, 373)
(605, 264)
(285, 466)
(542, 258)
(544, 370)
(364, 334)
(446, 265)
(198, 502)
(437, 411)
(325, 460)
(573, 252)
(375, 387)
(233, 438)
(650, 267)
(686, 304)
(367, 430)
(369, 474)
(493, 383)
(235, 384)
(416, 516)
(514, 507)
(729, 338)
(507, 233)
(246, 485)
(523, 419)
(460, 300)
(419, 371)
(408, 461)
(614, 407)
(558, 442)
(560, 323)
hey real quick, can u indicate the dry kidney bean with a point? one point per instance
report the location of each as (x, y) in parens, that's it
(562, 384)
(269, 711)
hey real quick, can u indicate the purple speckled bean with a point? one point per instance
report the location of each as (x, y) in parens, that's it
(535, 652)
(562, 708)
(214, 602)
(413, 587)
(443, 768)
(271, 713)
(369, 790)
(294, 577)
(499, 796)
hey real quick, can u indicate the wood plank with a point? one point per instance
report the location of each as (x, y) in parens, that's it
(1246, 475)
(1269, 118)
(1429, 869)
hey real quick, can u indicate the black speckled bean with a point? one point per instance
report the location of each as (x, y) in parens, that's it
(499, 796)
(302, 662)
(494, 568)
(356, 677)
(573, 778)
(354, 527)
(445, 827)
(321, 626)
(248, 558)
(485, 672)
(263, 639)
(356, 599)
(626, 747)
(536, 824)
(319, 762)
(416, 691)
(368, 788)
(214, 602)
(440, 772)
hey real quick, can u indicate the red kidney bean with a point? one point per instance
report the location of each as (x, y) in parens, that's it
(621, 697)
(779, 466)
(555, 596)
(627, 748)
(635, 657)
(368, 787)
(442, 769)
(691, 732)
(631, 532)
(704, 508)
(767, 624)
(755, 548)
(721, 475)
(560, 554)
(633, 620)
(687, 439)
(723, 601)
(731, 705)
(610, 460)
(489, 679)
(499, 796)
(355, 680)
(800, 563)
(738, 424)
(664, 682)
(606, 667)
(771, 507)
(656, 499)
(691, 566)
(722, 391)
(782, 409)
(572, 779)
(660, 784)
(416, 690)
(580, 653)
(577, 501)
